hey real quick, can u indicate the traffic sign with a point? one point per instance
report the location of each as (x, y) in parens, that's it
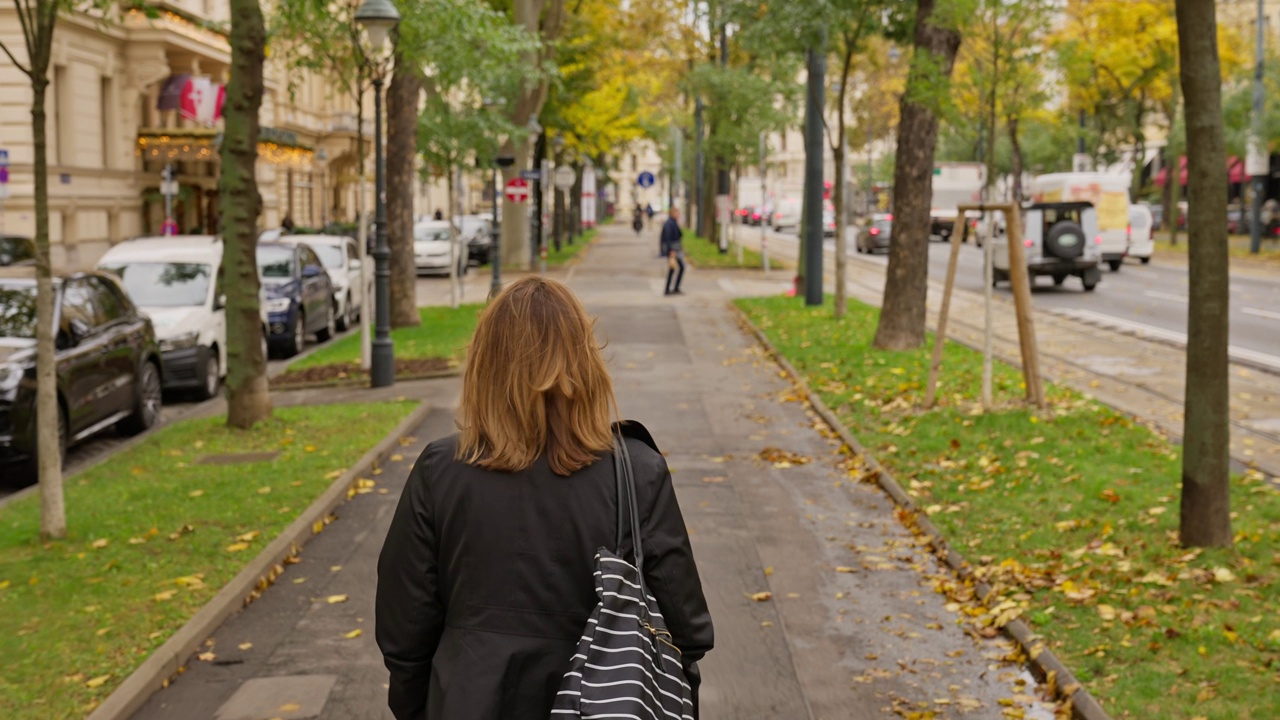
(645, 180)
(531, 174)
(565, 177)
(517, 190)
(4, 158)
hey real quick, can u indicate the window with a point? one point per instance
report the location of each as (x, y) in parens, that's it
(111, 306)
(78, 305)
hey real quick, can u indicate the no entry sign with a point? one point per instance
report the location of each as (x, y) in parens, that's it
(517, 190)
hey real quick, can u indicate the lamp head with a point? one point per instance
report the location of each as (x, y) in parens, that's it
(378, 18)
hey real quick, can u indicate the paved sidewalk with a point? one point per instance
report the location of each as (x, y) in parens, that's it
(830, 645)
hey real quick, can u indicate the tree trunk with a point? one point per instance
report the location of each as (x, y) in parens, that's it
(575, 203)
(248, 399)
(1016, 166)
(514, 248)
(53, 512)
(902, 315)
(558, 217)
(839, 151)
(402, 144)
(1206, 503)
(1166, 197)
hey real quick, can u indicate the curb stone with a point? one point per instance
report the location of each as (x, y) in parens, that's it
(364, 382)
(1042, 660)
(165, 661)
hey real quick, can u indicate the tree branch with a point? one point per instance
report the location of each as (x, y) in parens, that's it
(14, 60)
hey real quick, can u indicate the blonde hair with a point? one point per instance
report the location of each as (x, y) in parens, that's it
(535, 383)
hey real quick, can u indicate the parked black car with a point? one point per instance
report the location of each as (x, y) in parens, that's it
(297, 294)
(15, 249)
(108, 361)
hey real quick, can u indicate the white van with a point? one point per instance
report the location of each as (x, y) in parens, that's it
(174, 280)
(1142, 244)
(1109, 195)
(786, 214)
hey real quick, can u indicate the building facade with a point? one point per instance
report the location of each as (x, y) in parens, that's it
(128, 97)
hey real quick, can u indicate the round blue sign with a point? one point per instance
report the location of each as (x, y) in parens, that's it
(645, 180)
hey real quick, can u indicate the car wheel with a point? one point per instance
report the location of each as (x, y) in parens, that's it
(211, 372)
(329, 329)
(1146, 260)
(146, 410)
(344, 320)
(298, 340)
(1114, 265)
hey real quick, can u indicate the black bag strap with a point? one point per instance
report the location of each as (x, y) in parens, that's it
(628, 515)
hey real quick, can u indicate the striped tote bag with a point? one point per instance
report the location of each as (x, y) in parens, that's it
(626, 666)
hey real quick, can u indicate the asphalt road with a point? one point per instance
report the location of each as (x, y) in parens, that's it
(1148, 298)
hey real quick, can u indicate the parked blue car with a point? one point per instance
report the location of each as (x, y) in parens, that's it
(297, 295)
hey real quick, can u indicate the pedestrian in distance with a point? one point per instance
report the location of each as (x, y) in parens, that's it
(485, 581)
(673, 248)
(637, 219)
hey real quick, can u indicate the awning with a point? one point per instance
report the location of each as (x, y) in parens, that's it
(278, 147)
(1235, 172)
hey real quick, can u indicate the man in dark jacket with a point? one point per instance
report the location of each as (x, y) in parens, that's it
(673, 248)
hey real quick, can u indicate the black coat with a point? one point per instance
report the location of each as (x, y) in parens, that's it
(485, 581)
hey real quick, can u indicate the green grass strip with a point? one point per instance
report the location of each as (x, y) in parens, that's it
(1071, 513)
(704, 254)
(444, 333)
(556, 258)
(153, 535)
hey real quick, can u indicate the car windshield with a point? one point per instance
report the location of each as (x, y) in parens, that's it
(165, 284)
(18, 311)
(275, 262)
(428, 233)
(330, 255)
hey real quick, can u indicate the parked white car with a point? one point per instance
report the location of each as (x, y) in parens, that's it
(431, 248)
(1142, 244)
(341, 258)
(174, 280)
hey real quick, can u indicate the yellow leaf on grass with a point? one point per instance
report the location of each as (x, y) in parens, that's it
(97, 682)
(249, 536)
(353, 634)
(99, 543)
(237, 547)
(264, 490)
(1106, 612)
(334, 599)
(195, 493)
(4, 584)
(310, 448)
(1223, 575)
(162, 596)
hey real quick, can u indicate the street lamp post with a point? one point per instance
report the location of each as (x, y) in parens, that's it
(378, 18)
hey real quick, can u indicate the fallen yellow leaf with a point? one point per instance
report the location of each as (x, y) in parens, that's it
(333, 599)
(845, 569)
(237, 547)
(264, 490)
(353, 634)
(207, 656)
(1106, 612)
(195, 493)
(397, 457)
(98, 681)
(162, 596)
(99, 543)
(249, 536)
(289, 707)
(245, 645)
(1223, 575)
(761, 596)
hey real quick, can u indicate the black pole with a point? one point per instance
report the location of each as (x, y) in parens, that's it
(699, 164)
(539, 151)
(382, 371)
(722, 179)
(495, 254)
(1255, 142)
(1080, 139)
(813, 175)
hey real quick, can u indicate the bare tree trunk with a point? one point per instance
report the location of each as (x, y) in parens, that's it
(1166, 198)
(49, 443)
(515, 223)
(839, 150)
(248, 399)
(1206, 477)
(902, 315)
(1016, 166)
(402, 144)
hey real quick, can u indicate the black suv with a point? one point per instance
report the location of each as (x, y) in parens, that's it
(108, 361)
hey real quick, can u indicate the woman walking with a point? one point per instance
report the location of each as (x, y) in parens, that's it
(485, 581)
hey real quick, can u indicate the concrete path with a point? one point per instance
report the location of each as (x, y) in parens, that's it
(830, 645)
